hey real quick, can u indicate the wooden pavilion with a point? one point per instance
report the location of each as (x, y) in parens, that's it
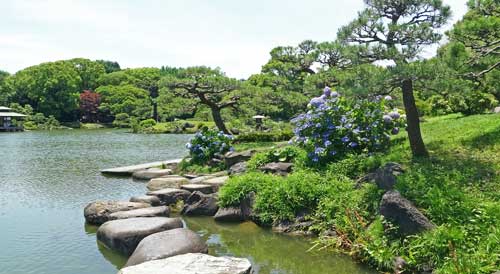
(6, 119)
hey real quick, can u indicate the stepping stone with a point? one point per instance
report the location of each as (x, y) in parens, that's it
(151, 173)
(232, 158)
(170, 196)
(192, 263)
(207, 189)
(201, 179)
(200, 204)
(157, 211)
(97, 213)
(152, 200)
(167, 244)
(167, 182)
(124, 235)
(216, 182)
(229, 214)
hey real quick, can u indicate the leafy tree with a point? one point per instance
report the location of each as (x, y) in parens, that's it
(5, 93)
(109, 66)
(89, 72)
(89, 106)
(208, 86)
(397, 31)
(126, 99)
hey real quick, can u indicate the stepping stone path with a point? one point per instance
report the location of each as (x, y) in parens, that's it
(207, 189)
(167, 244)
(152, 200)
(97, 213)
(201, 179)
(216, 182)
(124, 235)
(200, 204)
(192, 263)
(170, 196)
(173, 181)
(151, 173)
(157, 211)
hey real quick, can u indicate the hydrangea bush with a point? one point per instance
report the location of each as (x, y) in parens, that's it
(336, 126)
(208, 144)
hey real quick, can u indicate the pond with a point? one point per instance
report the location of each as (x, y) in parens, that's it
(47, 178)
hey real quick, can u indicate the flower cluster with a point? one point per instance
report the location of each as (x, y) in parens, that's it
(207, 144)
(336, 126)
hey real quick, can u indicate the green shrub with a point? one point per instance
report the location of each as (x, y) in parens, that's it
(285, 154)
(238, 187)
(264, 136)
(147, 123)
(473, 102)
(122, 120)
(30, 125)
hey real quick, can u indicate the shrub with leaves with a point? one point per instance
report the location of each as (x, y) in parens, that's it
(207, 144)
(336, 126)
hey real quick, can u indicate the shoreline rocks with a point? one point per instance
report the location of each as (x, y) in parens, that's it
(199, 203)
(157, 211)
(172, 181)
(207, 189)
(168, 196)
(97, 213)
(150, 173)
(152, 200)
(192, 263)
(167, 244)
(124, 235)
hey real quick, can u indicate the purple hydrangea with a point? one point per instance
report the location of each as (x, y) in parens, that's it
(388, 98)
(317, 102)
(395, 130)
(394, 115)
(387, 119)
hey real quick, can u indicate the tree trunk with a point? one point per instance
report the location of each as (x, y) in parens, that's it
(155, 111)
(218, 120)
(414, 135)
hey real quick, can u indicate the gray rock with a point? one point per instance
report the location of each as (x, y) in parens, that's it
(207, 189)
(200, 204)
(151, 173)
(497, 110)
(278, 168)
(384, 177)
(216, 182)
(293, 227)
(238, 168)
(124, 235)
(192, 263)
(167, 244)
(399, 265)
(201, 179)
(170, 196)
(403, 213)
(152, 200)
(232, 158)
(98, 213)
(166, 182)
(157, 211)
(229, 214)
(246, 206)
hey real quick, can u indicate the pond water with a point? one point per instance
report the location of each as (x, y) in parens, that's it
(47, 177)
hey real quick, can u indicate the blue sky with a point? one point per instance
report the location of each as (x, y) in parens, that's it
(233, 35)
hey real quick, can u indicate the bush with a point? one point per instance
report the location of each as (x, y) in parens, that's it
(263, 136)
(208, 143)
(30, 125)
(473, 102)
(238, 187)
(285, 154)
(336, 126)
(147, 123)
(122, 120)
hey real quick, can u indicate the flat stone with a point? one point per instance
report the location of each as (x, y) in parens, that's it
(152, 200)
(192, 263)
(232, 158)
(200, 204)
(151, 173)
(129, 170)
(201, 179)
(97, 213)
(207, 189)
(403, 213)
(167, 182)
(278, 168)
(229, 214)
(167, 244)
(238, 168)
(170, 196)
(124, 235)
(157, 211)
(216, 182)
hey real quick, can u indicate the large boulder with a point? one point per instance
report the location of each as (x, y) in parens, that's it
(167, 244)
(192, 263)
(151, 173)
(173, 181)
(157, 211)
(199, 203)
(216, 182)
(232, 158)
(148, 199)
(229, 214)
(278, 168)
(170, 196)
(403, 213)
(124, 235)
(97, 213)
(207, 189)
(238, 168)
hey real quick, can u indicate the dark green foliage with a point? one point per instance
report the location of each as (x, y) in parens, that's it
(264, 136)
(122, 120)
(285, 154)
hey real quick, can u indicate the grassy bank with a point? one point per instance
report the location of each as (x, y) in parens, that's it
(457, 188)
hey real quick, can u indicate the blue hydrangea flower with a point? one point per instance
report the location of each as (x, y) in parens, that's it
(353, 144)
(345, 139)
(387, 119)
(395, 131)
(388, 98)
(394, 115)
